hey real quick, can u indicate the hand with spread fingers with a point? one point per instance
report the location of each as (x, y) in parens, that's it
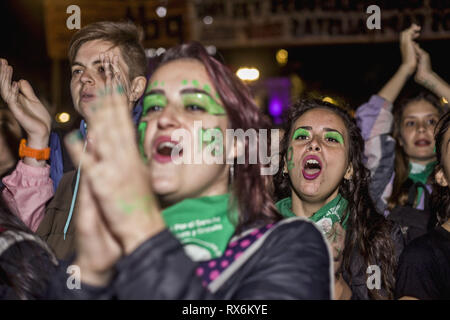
(113, 168)
(32, 115)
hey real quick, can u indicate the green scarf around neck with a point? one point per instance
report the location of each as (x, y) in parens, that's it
(325, 217)
(203, 225)
(421, 176)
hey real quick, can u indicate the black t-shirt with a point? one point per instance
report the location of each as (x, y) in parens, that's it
(424, 267)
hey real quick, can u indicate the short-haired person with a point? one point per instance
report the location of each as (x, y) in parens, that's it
(29, 187)
(161, 229)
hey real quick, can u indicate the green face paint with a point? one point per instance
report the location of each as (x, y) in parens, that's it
(141, 204)
(208, 136)
(204, 101)
(290, 158)
(336, 136)
(195, 83)
(142, 129)
(184, 82)
(300, 132)
(207, 88)
(153, 100)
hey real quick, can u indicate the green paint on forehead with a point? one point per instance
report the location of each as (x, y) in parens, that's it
(195, 83)
(336, 136)
(207, 88)
(184, 82)
(300, 132)
(204, 101)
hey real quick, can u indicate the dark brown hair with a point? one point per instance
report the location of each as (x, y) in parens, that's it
(124, 35)
(368, 232)
(440, 197)
(250, 188)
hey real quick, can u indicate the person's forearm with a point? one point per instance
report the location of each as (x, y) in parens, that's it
(437, 85)
(392, 88)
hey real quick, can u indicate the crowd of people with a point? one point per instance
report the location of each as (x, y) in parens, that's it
(352, 194)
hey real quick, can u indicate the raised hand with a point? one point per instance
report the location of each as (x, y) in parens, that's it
(97, 250)
(31, 114)
(424, 72)
(407, 37)
(119, 179)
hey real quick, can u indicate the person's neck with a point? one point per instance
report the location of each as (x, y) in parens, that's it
(218, 187)
(307, 207)
(422, 162)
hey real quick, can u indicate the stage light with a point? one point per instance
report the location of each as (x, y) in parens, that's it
(62, 117)
(161, 11)
(208, 20)
(248, 74)
(282, 57)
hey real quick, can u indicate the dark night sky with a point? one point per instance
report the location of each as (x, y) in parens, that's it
(352, 71)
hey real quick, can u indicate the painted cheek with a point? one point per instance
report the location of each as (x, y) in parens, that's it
(142, 129)
(290, 158)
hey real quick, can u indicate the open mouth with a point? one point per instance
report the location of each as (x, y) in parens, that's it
(87, 97)
(422, 143)
(164, 147)
(312, 167)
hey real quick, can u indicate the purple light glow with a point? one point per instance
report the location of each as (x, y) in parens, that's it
(275, 107)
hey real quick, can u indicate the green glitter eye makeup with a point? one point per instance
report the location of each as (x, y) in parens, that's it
(335, 135)
(300, 132)
(204, 101)
(152, 100)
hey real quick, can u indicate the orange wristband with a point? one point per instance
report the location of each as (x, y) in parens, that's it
(24, 151)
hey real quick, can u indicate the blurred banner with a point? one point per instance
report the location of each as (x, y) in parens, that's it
(239, 23)
(165, 31)
(236, 23)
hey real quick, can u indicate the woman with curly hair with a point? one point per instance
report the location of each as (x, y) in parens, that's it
(324, 180)
(424, 266)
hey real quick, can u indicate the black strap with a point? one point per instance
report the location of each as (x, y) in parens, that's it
(412, 194)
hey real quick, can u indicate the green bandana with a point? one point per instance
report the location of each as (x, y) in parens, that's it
(203, 225)
(328, 215)
(421, 176)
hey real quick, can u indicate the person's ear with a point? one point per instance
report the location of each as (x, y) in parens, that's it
(137, 88)
(349, 173)
(440, 178)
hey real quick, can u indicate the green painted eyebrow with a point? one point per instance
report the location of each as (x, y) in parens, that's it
(153, 99)
(300, 132)
(204, 100)
(336, 136)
